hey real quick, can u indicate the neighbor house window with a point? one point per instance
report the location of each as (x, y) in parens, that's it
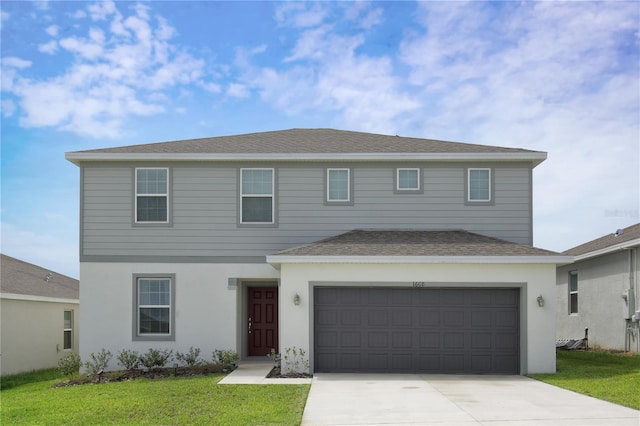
(407, 180)
(338, 185)
(152, 195)
(573, 292)
(68, 330)
(479, 185)
(256, 196)
(154, 308)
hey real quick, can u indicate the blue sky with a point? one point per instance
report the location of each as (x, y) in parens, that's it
(557, 77)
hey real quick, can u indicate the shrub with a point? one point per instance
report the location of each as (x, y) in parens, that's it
(190, 358)
(69, 364)
(129, 359)
(296, 361)
(156, 358)
(226, 359)
(98, 362)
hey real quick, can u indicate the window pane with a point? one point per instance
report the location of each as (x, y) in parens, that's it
(154, 320)
(257, 209)
(408, 179)
(338, 185)
(154, 292)
(257, 182)
(152, 209)
(67, 319)
(67, 340)
(573, 282)
(573, 308)
(479, 185)
(151, 181)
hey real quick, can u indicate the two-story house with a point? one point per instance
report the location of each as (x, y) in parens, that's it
(370, 252)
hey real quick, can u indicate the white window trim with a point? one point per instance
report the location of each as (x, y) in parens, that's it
(398, 170)
(339, 200)
(65, 330)
(572, 292)
(488, 200)
(272, 196)
(136, 195)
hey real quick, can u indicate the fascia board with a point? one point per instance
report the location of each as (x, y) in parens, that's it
(535, 157)
(558, 260)
(32, 298)
(611, 249)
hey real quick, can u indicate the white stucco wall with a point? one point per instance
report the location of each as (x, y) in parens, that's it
(207, 308)
(537, 324)
(32, 335)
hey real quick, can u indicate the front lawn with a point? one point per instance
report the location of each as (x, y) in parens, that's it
(192, 400)
(608, 376)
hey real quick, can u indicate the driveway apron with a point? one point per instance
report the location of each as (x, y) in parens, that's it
(393, 399)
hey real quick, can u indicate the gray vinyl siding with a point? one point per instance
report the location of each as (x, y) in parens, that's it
(204, 208)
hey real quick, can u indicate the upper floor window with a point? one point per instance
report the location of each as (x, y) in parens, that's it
(152, 195)
(256, 196)
(153, 308)
(573, 292)
(68, 330)
(338, 185)
(479, 185)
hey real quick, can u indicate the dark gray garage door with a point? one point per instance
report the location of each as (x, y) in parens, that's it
(417, 330)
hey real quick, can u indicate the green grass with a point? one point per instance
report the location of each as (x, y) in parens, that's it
(608, 376)
(11, 381)
(192, 400)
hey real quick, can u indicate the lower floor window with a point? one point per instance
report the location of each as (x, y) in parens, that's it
(68, 330)
(154, 307)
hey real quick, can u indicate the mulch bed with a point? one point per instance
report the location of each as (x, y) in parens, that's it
(156, 373)
(276, 374)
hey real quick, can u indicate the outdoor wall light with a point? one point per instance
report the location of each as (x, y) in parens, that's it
(540, 300)
(296, 299)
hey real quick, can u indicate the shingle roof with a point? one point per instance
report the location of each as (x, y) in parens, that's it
(413, 243)
(306, 141)
(610, 240)
(18, 277)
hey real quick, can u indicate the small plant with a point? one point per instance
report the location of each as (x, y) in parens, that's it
(129, 359)
(274, 356)
(190, 359)
(226, 359)
(295, 361)
(69, 364)
(155, 358)
(98, 362)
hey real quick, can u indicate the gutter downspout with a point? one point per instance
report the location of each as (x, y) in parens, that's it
(632, 327)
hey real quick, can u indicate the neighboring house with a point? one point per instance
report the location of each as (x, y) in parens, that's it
(600, 291)
(39, 312)
(370, 252)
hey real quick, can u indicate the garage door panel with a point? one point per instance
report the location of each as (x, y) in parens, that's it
(402, 318)
(425, 330)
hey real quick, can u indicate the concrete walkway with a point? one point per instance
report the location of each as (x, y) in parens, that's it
(255, 373)
(367, 399)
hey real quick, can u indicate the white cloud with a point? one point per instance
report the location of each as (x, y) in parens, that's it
(236, 90)
(52, 30)
(8, 107)
(324, 72)
(50, 47)
(120, 69)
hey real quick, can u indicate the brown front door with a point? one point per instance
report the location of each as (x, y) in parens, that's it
(263, 320)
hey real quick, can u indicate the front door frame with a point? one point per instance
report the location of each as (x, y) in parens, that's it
(244, 314)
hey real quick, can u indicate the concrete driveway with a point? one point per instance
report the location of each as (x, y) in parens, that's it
(367, 399)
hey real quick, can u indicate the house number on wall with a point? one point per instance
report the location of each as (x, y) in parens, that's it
(418, 284)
